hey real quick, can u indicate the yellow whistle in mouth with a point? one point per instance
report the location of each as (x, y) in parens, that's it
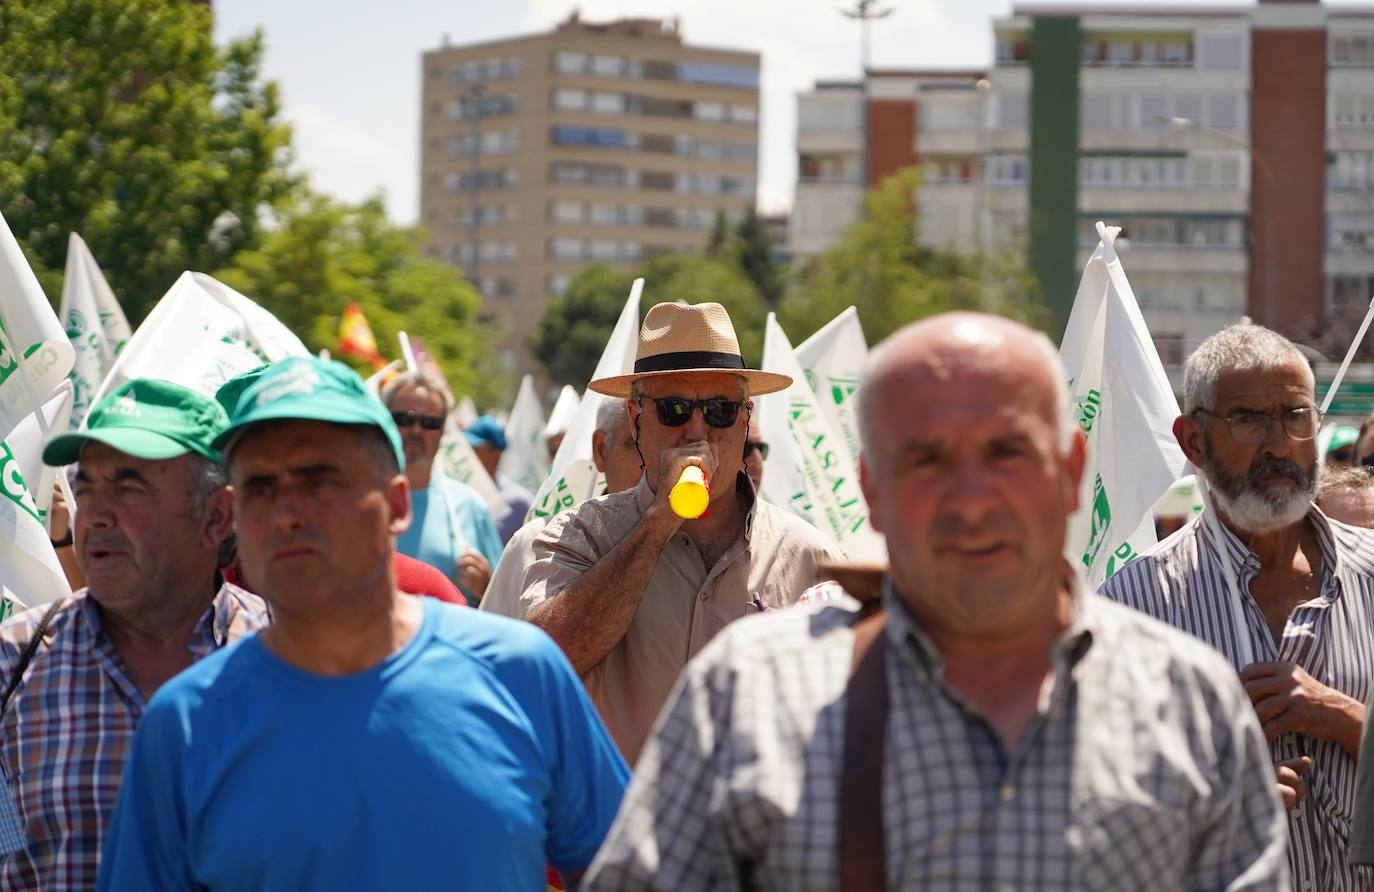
(690, 496)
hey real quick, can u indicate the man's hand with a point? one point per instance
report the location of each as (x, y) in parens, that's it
(1292, 787)
(474, 573)
(1287, 699)
(59, 519)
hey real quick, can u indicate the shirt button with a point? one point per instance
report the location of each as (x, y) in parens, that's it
(1297, 811)
(1073, 837)
(1008, 792)
(1006, 887)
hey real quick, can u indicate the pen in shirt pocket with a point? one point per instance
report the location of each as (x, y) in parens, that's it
(758, 603)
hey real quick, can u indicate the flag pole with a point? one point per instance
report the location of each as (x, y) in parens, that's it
(1349, 355)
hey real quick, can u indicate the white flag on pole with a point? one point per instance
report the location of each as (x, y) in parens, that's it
(30, 573)
(201, 334)
(95, 324)
(809, 470)
(563, 412)
(526, 459)
(466, 411)
(34, 339)
(834, 360)
(573, 478)
(1124, 405)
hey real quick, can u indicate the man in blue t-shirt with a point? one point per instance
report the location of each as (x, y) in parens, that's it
(367, 739)
(451, 527)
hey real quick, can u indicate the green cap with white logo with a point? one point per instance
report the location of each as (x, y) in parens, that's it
(148, 419)
(308, 389)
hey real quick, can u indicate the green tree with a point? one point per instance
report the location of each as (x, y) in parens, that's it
(323, 254)
(753, 250)
(575, 326)
(120, 119)
(879, 267)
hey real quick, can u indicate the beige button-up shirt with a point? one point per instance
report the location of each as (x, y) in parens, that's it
(684, 604)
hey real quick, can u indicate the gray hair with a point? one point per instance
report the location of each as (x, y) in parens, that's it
(610, 415)
(206, 478)
(1236, 348)
(871, 408)
(418, 381)
(1336, 480)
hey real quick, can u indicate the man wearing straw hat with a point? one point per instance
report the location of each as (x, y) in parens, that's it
(1264, 576)
(631, 590)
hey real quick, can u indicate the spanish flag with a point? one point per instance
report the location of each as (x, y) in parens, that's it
(355, 337)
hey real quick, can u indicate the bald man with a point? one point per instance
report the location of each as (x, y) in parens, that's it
(986, 722)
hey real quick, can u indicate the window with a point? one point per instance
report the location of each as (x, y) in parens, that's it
(1223, 111)
(565, 248)
(1221, 52)
(608, 66)
(744, 114)
(1013, 111)
(723, 75)
(569, 62)
(567, 99)
(558, 283)
(608, 103)
(588, 136)
(566, 211)
(1352, 50)
(710, 111)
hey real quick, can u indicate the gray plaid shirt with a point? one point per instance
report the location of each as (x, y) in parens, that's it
(1144, 768)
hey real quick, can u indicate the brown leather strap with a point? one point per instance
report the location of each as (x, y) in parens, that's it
(863, 846)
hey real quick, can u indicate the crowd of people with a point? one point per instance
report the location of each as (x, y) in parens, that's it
(270, 676)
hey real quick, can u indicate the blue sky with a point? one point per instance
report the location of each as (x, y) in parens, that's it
(350, 70)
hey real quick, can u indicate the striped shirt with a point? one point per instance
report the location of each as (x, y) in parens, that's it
(1193, 581)
(1144, 768)
(68, 726)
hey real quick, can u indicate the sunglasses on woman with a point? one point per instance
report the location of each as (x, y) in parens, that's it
(426, 422)
(675, 411)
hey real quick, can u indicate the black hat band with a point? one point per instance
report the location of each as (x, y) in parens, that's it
(686, 360)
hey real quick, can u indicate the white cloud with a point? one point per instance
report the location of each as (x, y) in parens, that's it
(351, 162)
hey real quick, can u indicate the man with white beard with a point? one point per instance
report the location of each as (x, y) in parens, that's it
(1262, 575)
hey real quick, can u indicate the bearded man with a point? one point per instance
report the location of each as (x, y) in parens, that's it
(1265, 577)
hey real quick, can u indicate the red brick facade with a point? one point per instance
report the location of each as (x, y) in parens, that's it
(891, 137)
(1287, 176)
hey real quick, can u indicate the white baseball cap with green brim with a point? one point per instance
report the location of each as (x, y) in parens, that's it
(148, 419)
(304, 388)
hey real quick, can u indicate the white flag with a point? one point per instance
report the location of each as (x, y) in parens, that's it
(33, 338)
(201, 334)
(30, 573)
(834, 360)
(573, 478)
(466, 411)
(95, 324)
(526, 459)
(457, 460)
(1124, 405)
(809, 470)
(563, 412)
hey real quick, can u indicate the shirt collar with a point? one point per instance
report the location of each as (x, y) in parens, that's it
(1068, 648)
(1237, 555)
(211, 631)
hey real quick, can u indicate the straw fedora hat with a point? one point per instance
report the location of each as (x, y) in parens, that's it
(678, 339)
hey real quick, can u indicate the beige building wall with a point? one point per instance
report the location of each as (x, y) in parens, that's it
(673, 133)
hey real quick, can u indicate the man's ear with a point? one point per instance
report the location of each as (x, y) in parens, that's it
(599, 451)
(1191, 438)
(1074, 463)
(218, 518)
(398, 504)
(870, 492)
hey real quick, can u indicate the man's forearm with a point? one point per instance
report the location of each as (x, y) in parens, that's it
(592, 613)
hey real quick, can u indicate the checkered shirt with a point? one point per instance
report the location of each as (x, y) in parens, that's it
(68, 726)
(1144, 768)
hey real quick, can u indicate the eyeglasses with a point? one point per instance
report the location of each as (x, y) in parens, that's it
(1252, 428)
(675, 411)
(426, 422)
(752, 446)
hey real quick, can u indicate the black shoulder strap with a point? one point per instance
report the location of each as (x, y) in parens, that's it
(30, 649)
(862, 843)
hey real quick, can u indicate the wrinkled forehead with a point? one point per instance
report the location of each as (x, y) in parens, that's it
(1287, 386)
(280, 443)
(98, 460)
(417, 398)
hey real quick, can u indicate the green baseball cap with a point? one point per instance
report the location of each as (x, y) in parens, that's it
(148, 419)
(309, 389)
(230, 391)
(1343, 436)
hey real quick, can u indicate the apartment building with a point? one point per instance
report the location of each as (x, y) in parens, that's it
(595, 142)
(1234, 145)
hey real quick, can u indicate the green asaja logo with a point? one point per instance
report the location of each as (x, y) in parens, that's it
(12, 484)
(1087, 408)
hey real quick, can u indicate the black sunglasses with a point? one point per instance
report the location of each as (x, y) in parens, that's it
(675, 411)
(426, 422)
(751, 446)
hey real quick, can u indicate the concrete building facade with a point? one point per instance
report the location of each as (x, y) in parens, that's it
(1235, 146)
(590, 143)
